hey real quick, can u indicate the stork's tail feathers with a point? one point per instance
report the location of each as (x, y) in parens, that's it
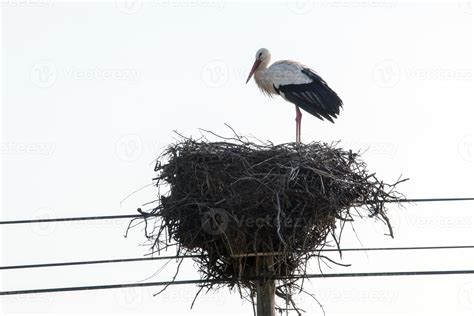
(326, 99)
(316, 97)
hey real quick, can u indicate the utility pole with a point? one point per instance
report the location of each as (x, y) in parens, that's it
(265, 286)
(266, 298)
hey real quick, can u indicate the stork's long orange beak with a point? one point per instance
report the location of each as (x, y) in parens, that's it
(254, 68)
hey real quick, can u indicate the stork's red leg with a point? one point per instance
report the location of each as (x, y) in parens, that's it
(299, 129)
(298, 124)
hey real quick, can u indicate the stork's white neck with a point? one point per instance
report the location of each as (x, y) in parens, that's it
(264, 64)
(264, 82)
(261, 78)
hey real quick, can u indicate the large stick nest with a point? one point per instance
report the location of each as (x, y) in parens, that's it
(234, 202)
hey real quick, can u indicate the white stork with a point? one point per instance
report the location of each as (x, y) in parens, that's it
(297, 84)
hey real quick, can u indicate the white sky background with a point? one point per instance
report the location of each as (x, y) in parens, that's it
(92, 92)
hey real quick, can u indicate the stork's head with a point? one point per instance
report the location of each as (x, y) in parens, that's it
(262, 59)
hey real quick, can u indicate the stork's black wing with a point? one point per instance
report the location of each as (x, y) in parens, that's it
(315, 97)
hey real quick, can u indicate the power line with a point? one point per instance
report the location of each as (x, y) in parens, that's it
(399, 248)
(431, 200)
(73, 263)
(181, 282)
(145, 215)
(58, 264)
(69, 219)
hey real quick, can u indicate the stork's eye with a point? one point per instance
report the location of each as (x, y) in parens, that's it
(260, 54)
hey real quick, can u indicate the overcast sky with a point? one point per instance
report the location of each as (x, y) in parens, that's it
(92, 92)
